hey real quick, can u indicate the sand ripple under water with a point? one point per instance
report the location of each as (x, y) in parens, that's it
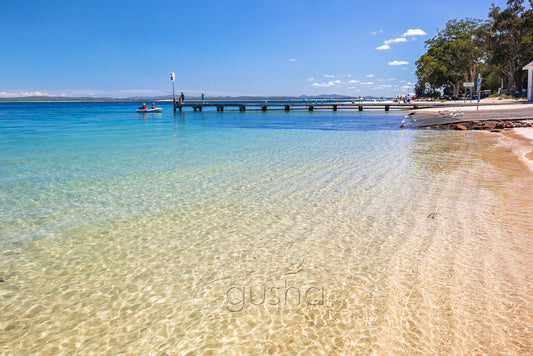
(419, 244)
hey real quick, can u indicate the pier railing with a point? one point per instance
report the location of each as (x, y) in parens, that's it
(360, 106)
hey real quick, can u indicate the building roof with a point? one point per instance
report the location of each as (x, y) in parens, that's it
(528, 66)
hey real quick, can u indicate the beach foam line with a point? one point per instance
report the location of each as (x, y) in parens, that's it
(520, 141)
(526, 132)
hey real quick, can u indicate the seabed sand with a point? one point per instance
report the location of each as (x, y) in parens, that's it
(426, 252)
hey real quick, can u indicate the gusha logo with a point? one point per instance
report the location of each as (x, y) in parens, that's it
(239, 297)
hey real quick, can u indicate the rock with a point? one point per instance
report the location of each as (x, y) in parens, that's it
(496, 130)
(489, 125)
(460, 127)
(2, 280)
(499, 125)
(477, 125)
(509, 125)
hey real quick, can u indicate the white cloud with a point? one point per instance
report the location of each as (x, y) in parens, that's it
(406, 87)
(370, 76)
(19, 93)
(353, 81)
(398, 63)
(382, 47)
(414, 32)
(328, 84)
(395, 40)
(311, 79)
(329, 76)
(292, 60)
(85, 92)
(367, 83)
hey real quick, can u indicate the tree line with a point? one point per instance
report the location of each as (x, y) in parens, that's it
(498, 48)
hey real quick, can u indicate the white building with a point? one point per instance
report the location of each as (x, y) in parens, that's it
(529, 69)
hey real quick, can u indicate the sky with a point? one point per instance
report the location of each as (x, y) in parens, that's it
(254, 47)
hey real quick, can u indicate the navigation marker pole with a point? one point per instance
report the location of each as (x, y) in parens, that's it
(172, 77)
(478, 89)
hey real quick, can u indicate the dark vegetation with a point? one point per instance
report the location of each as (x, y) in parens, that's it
(498, 48)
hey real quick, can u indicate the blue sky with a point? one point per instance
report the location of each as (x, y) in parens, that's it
(128, 48)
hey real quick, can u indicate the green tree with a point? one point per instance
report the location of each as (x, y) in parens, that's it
(511, 41)
(454, 55)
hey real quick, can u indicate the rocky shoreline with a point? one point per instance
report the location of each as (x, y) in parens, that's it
(489, 125)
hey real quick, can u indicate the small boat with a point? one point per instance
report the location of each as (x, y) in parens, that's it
(149, 110)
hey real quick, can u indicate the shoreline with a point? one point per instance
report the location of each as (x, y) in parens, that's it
(513, 121)
(520, 141)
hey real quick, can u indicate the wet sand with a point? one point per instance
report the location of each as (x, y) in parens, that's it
(520, 141)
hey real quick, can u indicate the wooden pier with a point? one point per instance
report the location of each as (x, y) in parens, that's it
(243, 106)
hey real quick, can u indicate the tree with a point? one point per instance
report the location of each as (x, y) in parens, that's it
(511, 41)
(454, 55)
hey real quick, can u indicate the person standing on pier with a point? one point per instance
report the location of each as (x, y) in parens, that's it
(182, 98)
(203, 98)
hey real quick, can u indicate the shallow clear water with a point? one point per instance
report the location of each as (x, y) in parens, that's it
(258, 233)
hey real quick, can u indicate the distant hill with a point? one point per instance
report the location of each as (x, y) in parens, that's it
(64, 99)
(325, 96)
(158, 98)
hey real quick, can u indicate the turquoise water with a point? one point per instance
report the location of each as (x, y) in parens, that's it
(254, 232)
(93, 160)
